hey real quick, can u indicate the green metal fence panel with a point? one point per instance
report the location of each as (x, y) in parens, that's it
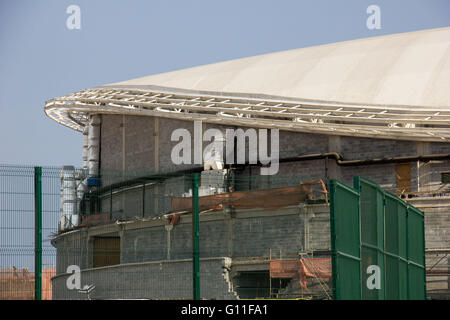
(141, 224)
(395, 248)
(126, 235)
(372, 236)
(38, 233)
(345, 246)
(29, 212)
(416, 254)
(391, 245)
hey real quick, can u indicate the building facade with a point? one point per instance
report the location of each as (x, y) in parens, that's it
(368, 108)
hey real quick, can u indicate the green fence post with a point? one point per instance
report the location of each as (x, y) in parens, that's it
(424, 260)
(195, 238)
(334, 273)
(38, 233)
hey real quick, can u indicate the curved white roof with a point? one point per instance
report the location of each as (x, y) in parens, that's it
(405, 69)
(395, 86)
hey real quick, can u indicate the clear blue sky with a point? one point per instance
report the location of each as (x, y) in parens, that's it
(41, 59)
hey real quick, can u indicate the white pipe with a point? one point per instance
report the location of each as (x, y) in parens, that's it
(69, 214)
(94, 144)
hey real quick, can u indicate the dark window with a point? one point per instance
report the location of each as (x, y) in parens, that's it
(403, 178)
(106, 251)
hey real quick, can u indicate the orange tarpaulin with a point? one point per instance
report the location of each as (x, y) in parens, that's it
(47, 276)
(302, 268)
(284, 269)
(18, 284)
(279, 197)
(314, 268)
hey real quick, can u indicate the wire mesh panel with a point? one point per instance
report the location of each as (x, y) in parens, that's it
(389, 241)
(396, 256)
(416, 254)
(135, 237)
(16, 232)
(130, 235)
(51, 212)
(372, 238)
(345, 224)
(17, 225)
(399, 250)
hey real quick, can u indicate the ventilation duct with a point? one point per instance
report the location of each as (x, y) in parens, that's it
(69, 202)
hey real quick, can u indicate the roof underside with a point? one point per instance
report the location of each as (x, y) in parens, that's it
(394, 87)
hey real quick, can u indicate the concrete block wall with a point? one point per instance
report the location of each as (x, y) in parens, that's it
(149, 244)
(141, 147)
(226, 236)
(139, 143)
(437, 244)
(151, 280)
(261, 236)
(244, 233)
(438, 282)
(297, 143)
(147, 252)
(437, 227)
(438, 167)
(289, 174)
(138, 203)
(111, 147)
(318, 222)
(166, 127)
(72, 249)
(134, 144)
(439, 147)
(385, 175)
(147, 148)
(306, 170)
(368, 148)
